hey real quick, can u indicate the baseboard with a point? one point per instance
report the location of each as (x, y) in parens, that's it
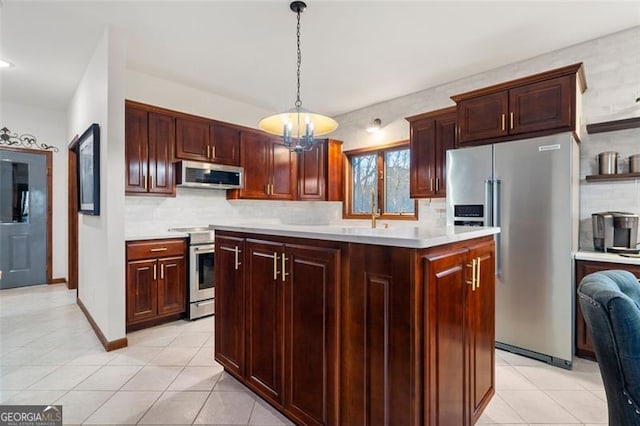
(58, 281)
(108, 345)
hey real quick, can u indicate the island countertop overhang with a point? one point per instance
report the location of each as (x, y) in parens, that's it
(418, 237)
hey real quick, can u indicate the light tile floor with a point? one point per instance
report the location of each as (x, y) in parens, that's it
(167, 375)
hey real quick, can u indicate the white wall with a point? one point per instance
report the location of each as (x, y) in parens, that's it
(49, 127)
(157, 91)
(99, 98)
(612, 69)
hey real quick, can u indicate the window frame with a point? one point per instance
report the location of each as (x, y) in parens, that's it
(379, 150)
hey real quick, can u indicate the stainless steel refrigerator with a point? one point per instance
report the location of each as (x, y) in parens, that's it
(529, 188)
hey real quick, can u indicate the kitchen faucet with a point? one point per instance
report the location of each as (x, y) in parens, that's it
(374, 214)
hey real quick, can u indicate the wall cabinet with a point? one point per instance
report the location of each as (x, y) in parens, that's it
(275, 307)
(541, 104)
(431, 135)
(156, 282)
(199, 139)
(584, 344)
(149, 151)
(270, 169)
(320, 172)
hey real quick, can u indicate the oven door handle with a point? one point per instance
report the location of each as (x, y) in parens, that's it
(204, 249)
(208, 302)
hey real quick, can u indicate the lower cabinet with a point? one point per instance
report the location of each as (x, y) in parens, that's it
(156, 282)
(584, 344)
(276, 325)
(460, 330)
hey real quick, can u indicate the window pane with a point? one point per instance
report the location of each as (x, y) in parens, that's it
(365, 170)
(14, 192)
(397, 182)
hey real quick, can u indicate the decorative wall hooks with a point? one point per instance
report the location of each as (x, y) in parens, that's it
(23, 141)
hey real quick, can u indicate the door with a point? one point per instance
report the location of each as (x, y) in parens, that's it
(483, 117)
(23, 218)
(445, 140)
(136, 149)
(142, 290)
(229, 323)
(255, 159)
(468, 173)
(534, 293)
(311, 332)
(171, 288)
(192, 139)
(283, 171)
(446, 277)
(480, 315)
(312, 174)
(226, 144)
(423, 157)
(161, 145)
(264, 319)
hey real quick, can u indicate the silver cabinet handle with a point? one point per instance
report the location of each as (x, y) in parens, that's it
(284, 265)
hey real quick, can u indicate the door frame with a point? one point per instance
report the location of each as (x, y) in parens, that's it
(49, 158)
(72, 216)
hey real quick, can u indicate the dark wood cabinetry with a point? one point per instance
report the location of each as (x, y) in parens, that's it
(537, 105)
(192, 139)
(276, 324)
(584, 344)
(431, 135)
(149, 151)
(270, 168)
(342, 333)
(264, 318)
(459, 324)
(156, 282)
(199, 139)
(229, 324)
(225, 144)
(320, 172)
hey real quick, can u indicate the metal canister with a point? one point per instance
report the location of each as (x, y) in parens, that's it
(634, 163)
(608, 163)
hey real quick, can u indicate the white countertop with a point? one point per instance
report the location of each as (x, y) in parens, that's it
(598, 256)
(400, 236)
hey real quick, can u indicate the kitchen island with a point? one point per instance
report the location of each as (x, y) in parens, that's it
(350, 325)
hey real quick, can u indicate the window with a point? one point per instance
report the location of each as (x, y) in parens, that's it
(381, 176)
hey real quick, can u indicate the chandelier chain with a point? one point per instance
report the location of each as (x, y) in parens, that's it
(298, 101)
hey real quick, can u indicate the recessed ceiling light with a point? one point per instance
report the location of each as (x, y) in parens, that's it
(5, 64)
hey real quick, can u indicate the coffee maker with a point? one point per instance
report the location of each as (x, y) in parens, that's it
(615, 232)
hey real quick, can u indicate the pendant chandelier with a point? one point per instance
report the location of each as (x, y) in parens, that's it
(298, 126)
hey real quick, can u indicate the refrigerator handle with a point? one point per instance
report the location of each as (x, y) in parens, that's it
(488, 202)
(497, 204)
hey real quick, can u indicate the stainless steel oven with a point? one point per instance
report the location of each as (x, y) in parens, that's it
(201, 266)
(201, 280)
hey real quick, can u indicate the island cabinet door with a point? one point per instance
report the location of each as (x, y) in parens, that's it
(229, 300)
(480, 312)
(379, 374)
(446, 375)
(264, 317)
(311, 333)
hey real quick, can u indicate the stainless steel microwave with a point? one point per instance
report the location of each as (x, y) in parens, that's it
(209, 176)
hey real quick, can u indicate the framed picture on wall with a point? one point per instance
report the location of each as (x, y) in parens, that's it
(88, 152)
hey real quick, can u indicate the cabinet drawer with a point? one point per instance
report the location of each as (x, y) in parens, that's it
(155, 248)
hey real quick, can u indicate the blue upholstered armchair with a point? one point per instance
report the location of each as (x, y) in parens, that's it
(610, 302)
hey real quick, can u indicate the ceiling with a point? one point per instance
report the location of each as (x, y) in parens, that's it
(354, 53)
